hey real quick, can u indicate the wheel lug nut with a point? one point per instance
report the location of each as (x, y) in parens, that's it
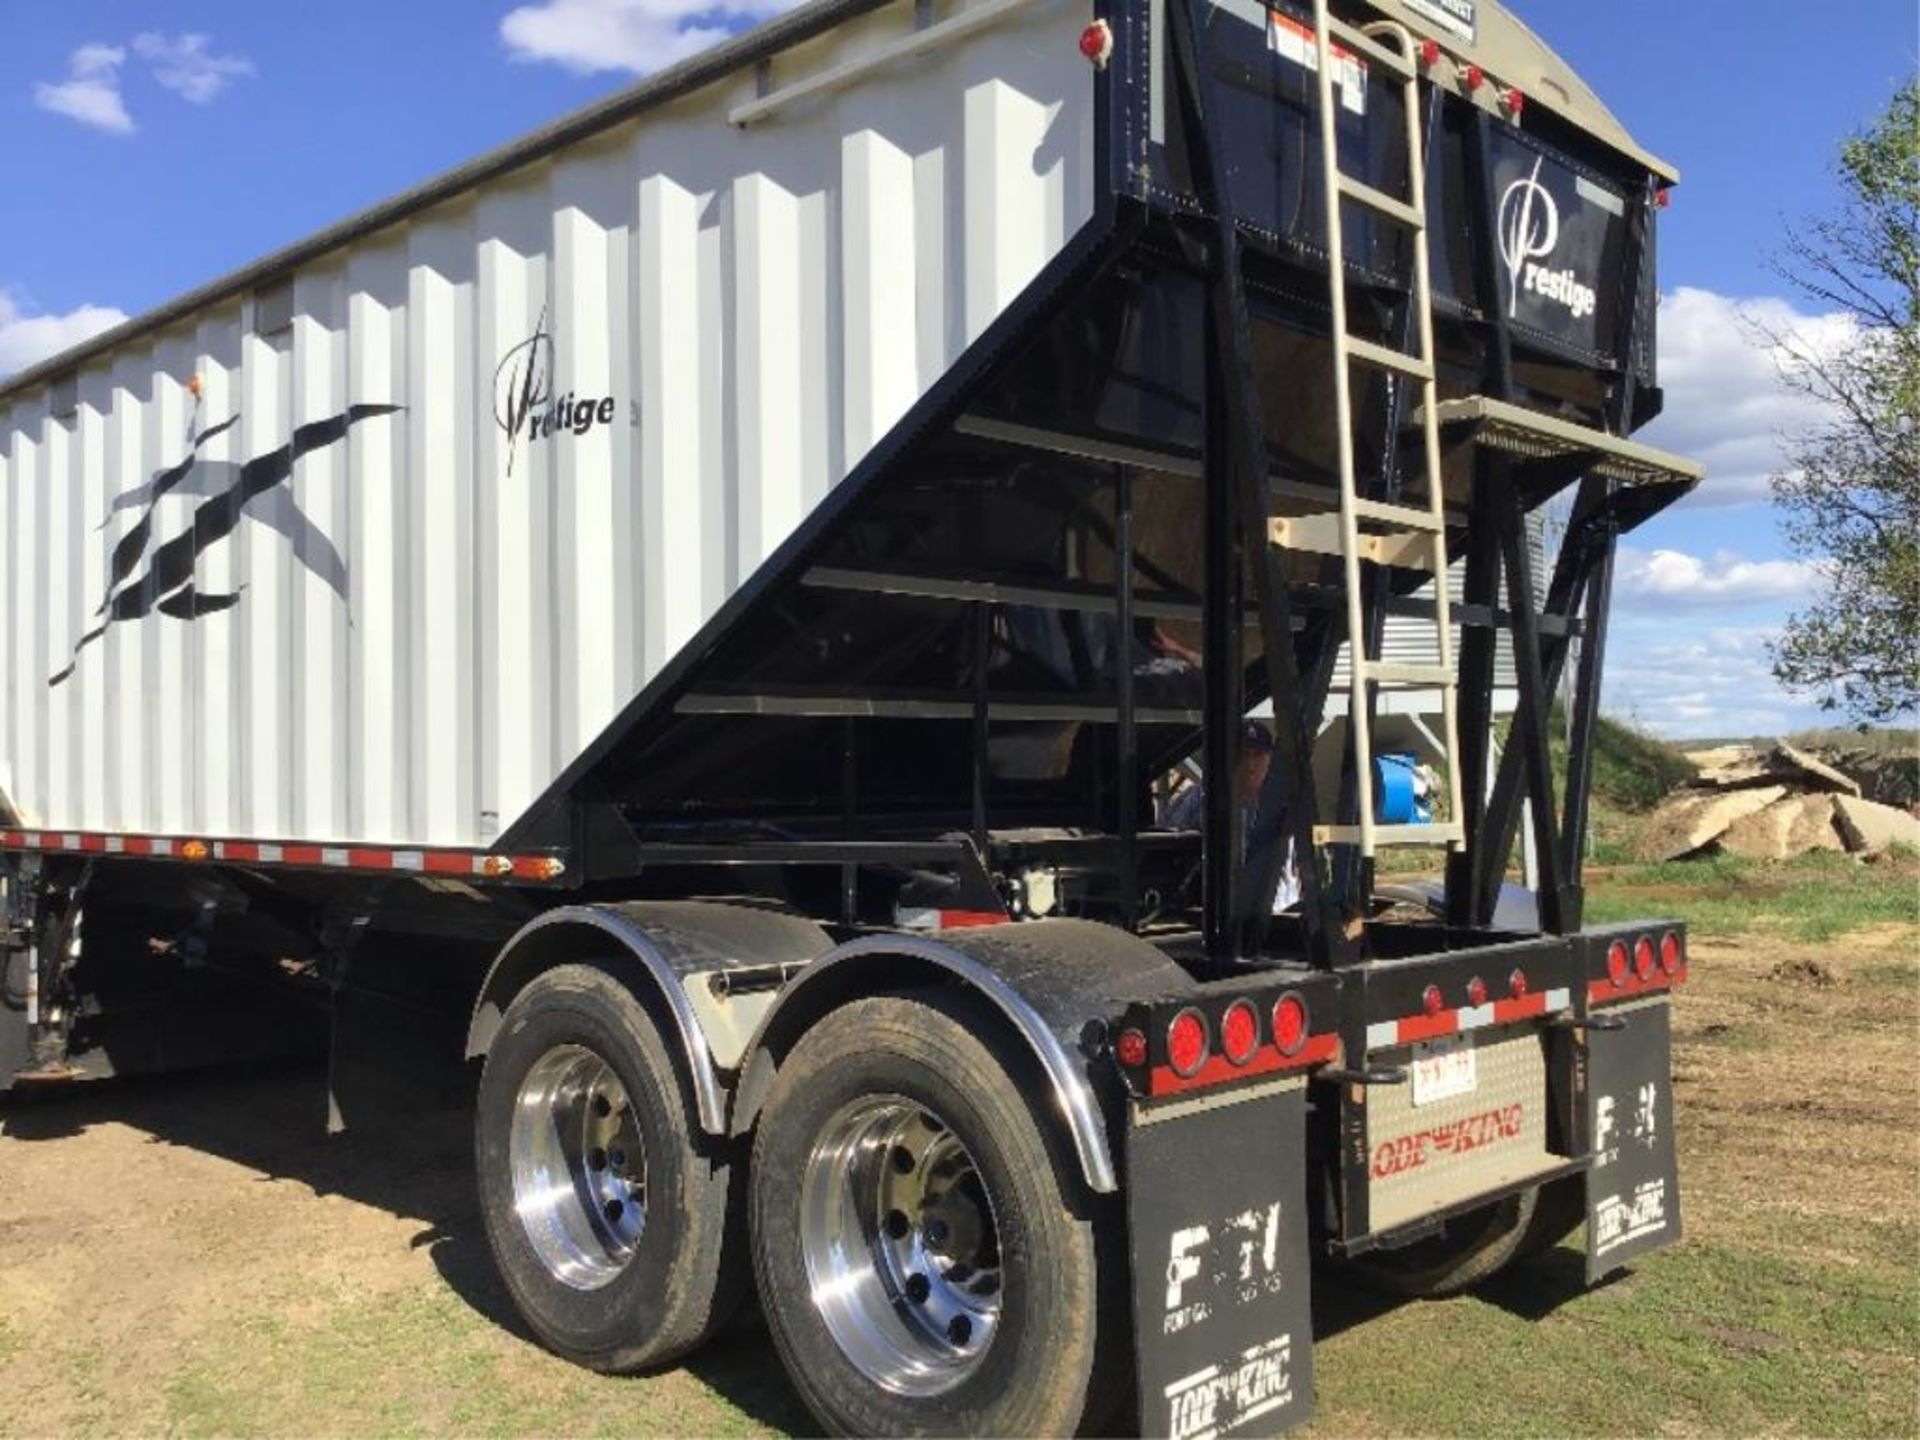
(614, 1209)
(902, 1159)
(618, 1157)
(959, 1330)
(918, 1288)
(597, 1159)
(897, 1225)
(937, 1231)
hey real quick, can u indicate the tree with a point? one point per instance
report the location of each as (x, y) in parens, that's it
(1850, 500)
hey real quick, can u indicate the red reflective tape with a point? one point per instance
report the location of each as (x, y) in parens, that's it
(468, 863)
(962, 919)
(1524, 1008)
(1426, 1027)
(1267, 1060)
(1605, 992)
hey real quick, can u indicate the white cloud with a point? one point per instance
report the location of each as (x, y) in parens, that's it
(1725, 404)
(187, 67)
(636, 35)
(91, 91)
(1714, 682)
(1665, 578)
(26, 339)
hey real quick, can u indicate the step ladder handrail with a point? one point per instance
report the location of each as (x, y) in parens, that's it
(1430, 405)
(1393, 44)
(1343, 416)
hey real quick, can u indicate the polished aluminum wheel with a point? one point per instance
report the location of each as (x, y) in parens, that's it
(579, 1167)
(900, 1244)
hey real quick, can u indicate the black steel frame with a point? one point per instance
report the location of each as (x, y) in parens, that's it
(1297, 622)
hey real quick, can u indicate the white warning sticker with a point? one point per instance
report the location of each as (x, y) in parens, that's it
(1456, 17)
(1291, 40)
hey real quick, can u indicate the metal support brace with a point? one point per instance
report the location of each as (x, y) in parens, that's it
(1237, 468)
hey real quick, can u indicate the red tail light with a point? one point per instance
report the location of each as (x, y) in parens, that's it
(1617, 962)
(1432, 1001)
(1187, 1043)
(1131, 1049)
(1476, 991)
(1429, 52)
(1643, 958)
(1515, 101)
(1517, 984)
(1239, 1032)
(1476, 77)
(1096, 43)
(1289, 1023)
(1670, 952)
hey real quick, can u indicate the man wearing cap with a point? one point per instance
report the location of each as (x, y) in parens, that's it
(1188, 809)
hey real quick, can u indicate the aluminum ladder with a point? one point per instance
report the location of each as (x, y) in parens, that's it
(1409, 536)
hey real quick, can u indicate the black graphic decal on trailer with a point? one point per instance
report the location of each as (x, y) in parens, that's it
(253, 490)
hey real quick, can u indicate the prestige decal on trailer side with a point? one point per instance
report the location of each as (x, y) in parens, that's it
(1558, 233)
(524, 404)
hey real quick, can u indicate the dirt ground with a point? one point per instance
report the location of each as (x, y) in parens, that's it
(193, 1255)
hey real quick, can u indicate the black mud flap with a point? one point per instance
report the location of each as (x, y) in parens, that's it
(1633, 1187)
(1217, 1205)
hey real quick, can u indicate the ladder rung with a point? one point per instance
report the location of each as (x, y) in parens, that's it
(1387, 358)
(1353, 39)
(1443, 832)
(1390, 514)
(1400, 550)
(1365, 194)
(1407, 672)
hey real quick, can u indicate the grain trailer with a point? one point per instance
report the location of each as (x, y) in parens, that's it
(690, 612)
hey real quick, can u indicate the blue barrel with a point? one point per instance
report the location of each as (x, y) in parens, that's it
(1399, 791)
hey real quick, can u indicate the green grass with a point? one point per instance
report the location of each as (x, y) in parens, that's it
(1877, 739)
(424, 1361)
(1705, 1337)
(1816, 896)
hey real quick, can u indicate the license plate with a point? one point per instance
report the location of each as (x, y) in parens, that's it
(1443, 1069)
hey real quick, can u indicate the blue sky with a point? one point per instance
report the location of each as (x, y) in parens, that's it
(155, 147)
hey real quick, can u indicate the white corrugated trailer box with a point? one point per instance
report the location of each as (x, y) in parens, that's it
(696, 308)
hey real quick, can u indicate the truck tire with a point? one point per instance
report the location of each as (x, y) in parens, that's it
(607, 1214)
(924, 1265)
(1472, 1248)
(1560, 1210)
